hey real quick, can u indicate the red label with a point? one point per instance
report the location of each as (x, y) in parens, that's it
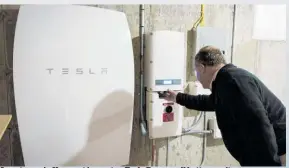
(167, 117)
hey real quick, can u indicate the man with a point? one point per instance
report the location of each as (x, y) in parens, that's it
(251, 118)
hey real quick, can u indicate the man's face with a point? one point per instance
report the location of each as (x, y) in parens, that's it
(200, 73)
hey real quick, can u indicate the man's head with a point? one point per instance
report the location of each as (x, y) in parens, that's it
(207, 63)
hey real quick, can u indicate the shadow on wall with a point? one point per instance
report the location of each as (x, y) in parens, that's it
(117, 108)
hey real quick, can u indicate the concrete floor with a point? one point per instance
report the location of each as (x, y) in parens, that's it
(264, 58)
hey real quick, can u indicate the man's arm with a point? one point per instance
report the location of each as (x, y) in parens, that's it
(242, 98)
(199, 102)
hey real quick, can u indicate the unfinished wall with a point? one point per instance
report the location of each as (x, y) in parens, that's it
(266, 59)
(10, 148)
(186, 150)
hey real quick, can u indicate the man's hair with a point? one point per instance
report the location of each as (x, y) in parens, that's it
(210, 56)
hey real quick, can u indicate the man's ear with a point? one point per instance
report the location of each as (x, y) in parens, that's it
(202, 68)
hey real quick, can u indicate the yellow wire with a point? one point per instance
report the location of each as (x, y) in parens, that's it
(200, 21)
(196, 24)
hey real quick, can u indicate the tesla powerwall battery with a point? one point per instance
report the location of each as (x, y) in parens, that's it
(74, 85)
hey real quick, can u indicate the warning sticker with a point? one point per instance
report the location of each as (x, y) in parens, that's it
(168, 117)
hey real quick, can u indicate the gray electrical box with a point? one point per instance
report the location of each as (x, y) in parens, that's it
(203, 36)
(212, 36)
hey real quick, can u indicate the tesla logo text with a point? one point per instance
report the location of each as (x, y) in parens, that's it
(77, 71)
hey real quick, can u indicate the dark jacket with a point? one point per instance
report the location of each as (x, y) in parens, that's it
(251, 118)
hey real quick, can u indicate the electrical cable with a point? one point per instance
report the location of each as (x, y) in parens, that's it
(204, 141)
(197, 119)
(143, 126)
(200, 19)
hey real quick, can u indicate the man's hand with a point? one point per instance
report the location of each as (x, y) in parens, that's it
(170, 95)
